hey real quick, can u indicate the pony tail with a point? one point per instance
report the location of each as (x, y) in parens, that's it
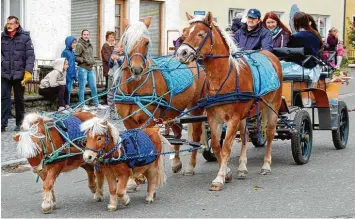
(161, 176)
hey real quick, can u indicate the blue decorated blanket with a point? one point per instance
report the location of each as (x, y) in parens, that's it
(137, 143)
(71, 128)
(178, 76)
(265, 78)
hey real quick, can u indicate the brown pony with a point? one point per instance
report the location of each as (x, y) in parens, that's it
(135, 41)
(34, 145)
(205, 40)
(103, 142)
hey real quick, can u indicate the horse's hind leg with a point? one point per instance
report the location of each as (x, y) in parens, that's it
(242, 168)
(91, 176)
(196, 137)
(48, 195)
(176, 164)
(271, 118)
(151, 174)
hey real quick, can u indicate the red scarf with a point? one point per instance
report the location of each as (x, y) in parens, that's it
(12, 33)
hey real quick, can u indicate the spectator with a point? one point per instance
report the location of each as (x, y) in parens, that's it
(115, 62)
(280, 33)
(332, 39)
(69, 55)
(85, 59)
(106, 52)
(340, 54)
(54, 84)
(252, 35)
(237, 22)
(17, 62)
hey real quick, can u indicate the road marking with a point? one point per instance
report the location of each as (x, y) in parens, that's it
(347, 95)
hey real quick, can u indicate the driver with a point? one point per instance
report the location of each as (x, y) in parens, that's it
(252, 35)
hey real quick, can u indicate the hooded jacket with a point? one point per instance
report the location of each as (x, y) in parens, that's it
(69, 55)
(17, 54)
(259, 38)
(84, 54)
(56, 77)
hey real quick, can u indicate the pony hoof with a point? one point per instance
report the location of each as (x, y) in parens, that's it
(242, 174)
(111, 207)
(216, 186)
(228, 177)
(47, 207)
(265, 172)
(98, 197)
(189, 172)
(125, 200)
(149, 200)
(177, 168)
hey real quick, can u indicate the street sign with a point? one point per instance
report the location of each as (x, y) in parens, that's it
(203, 13)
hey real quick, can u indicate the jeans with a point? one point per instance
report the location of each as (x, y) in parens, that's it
(50, 93)
(19, 90)
(87, 76)
(69, 88)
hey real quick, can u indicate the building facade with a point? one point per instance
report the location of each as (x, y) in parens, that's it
(51, 21)
(327, 13)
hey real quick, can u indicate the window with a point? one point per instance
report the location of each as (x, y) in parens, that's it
(233, 13)
(12, 7)
(279, 13)
(118, 19)
(322, 23)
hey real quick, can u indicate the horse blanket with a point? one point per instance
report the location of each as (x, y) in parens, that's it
(178, 76)
(71, 128)
(264, 75)
(137, 148)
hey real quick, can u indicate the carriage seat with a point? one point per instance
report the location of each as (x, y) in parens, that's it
(293, 71)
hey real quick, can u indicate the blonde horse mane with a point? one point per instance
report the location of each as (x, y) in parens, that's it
(96, 126)
(26, 147)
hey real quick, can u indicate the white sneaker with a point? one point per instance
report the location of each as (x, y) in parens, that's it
(86, 108)
(100, 107)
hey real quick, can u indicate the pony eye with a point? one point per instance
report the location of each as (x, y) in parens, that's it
(99, 138)
(147, 43)
(200, 35)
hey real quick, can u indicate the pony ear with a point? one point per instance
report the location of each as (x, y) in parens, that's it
(146, 21)
(189, 17)
(16, 138)
(209, 18)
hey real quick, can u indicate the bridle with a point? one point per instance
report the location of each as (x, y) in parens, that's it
(129, 58)
(208, 35)
(100, 153)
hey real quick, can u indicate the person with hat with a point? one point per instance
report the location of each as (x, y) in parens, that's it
(252, 35)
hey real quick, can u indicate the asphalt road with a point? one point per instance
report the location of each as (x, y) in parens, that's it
(325, 187)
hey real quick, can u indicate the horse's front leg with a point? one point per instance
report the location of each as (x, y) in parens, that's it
(91, 176)
(176, 164)
(121, 188)
(224, 173)
(111, 181)
(242, 168)
(100, 178)
(48, 193)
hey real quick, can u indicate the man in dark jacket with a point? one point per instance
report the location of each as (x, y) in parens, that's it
(17, 62)
(252, 35)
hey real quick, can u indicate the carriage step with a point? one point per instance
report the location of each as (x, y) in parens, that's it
(183, 141)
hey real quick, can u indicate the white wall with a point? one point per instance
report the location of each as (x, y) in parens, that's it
(132, 10)
(171, 21)
(49, 24)
(108, 18)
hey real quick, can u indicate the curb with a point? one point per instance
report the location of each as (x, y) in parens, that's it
(13, 162)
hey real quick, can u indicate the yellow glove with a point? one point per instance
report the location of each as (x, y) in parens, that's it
(27, 77)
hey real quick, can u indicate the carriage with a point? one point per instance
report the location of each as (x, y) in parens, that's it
(306, 106)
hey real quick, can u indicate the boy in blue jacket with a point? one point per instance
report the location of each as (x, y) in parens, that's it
(69, 55)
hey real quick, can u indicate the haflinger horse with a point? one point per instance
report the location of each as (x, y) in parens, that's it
(35, 144)
(108, 149)
(138, 66)
(230, 75)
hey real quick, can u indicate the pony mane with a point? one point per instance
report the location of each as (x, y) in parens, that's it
(26, 147)
(232, 45)
(135, 33)
(96, 127)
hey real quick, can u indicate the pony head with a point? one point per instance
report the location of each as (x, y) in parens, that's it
(100, 136)
(29, 138)
(200, 41)
(135, 41)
